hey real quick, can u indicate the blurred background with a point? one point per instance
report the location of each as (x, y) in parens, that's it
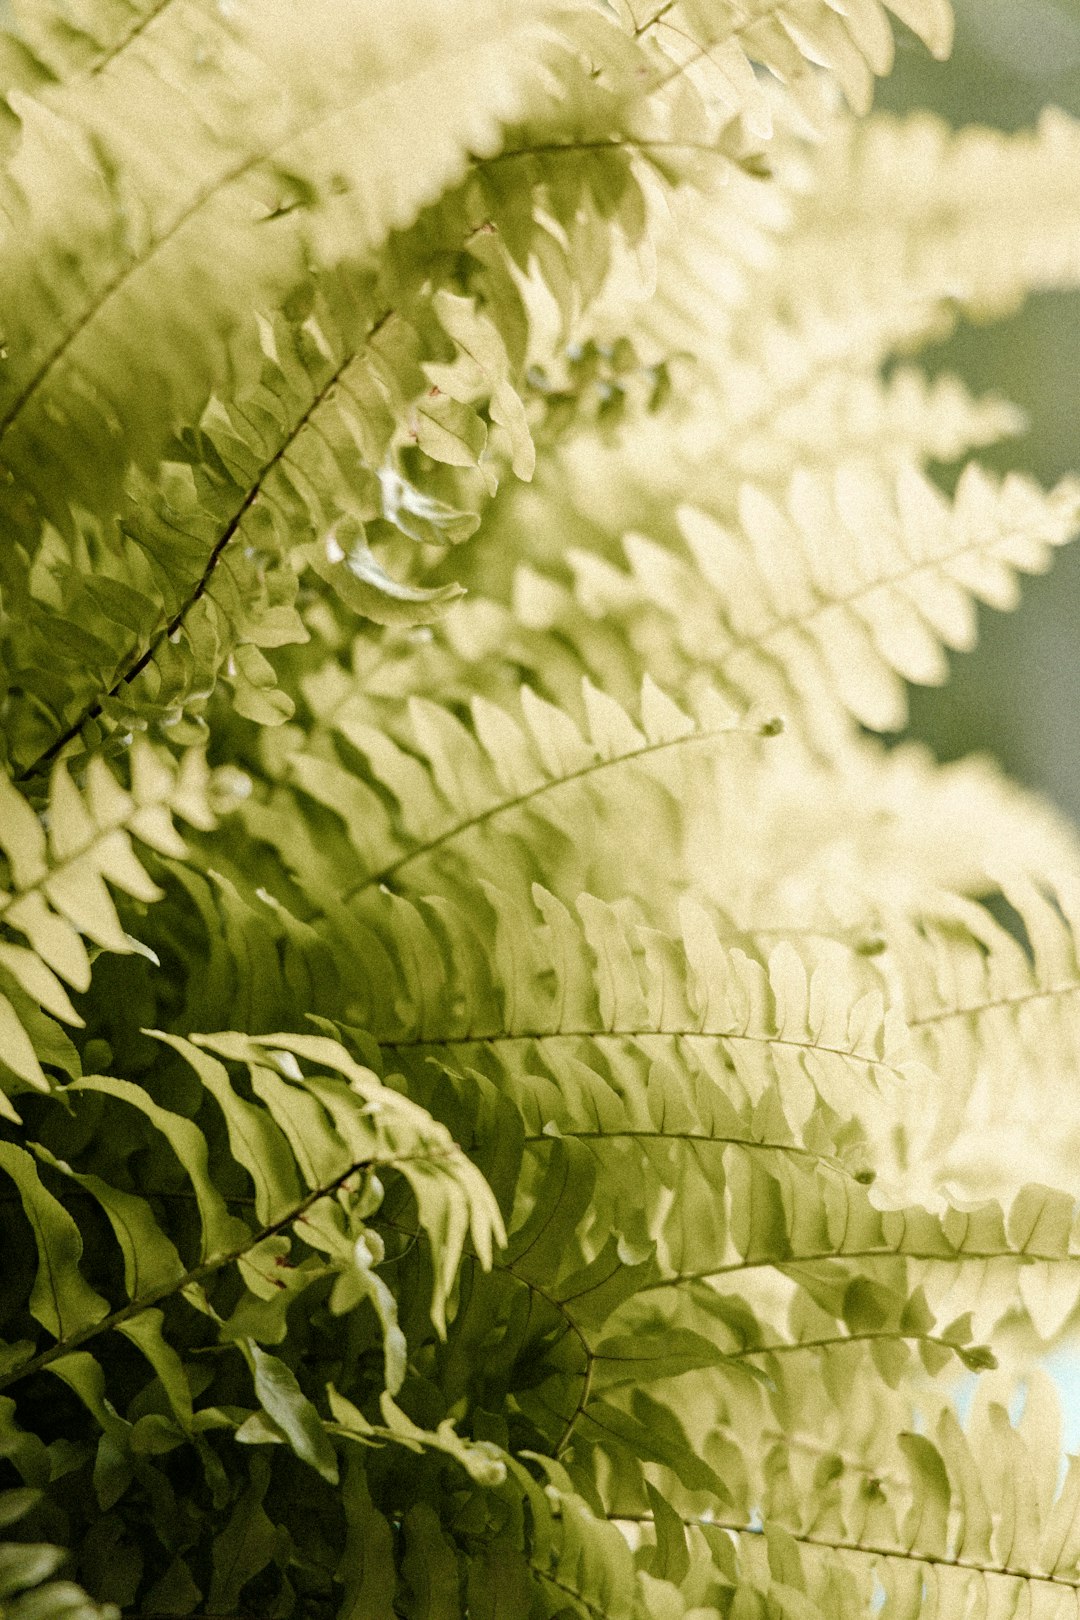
(1017, 695)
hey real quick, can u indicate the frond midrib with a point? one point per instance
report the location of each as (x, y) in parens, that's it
(387, 873)
(976, 1009)
(740, 644)
(865, 1549)
(506, 1037)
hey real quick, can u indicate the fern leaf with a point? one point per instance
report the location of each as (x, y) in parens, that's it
(481, 1461)
(615, 1222)
(255, 1140)
(997, 1014)
(931, 1535)
(939, 162)
(435, 790)
(781, 616)
(609, 982)
(361, 1123)
(302, 469)
(720, 42)
(341, 88)
(779, 596)
(151, 1260)
(912, 829)
(774, 258)
(61, 1299)
(576, 1555)
(56, 894)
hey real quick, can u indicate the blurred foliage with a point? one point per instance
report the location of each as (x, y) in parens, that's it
(1008, 63)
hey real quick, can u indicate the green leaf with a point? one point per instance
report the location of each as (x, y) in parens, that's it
(60, 1297)
(151, 1260)
(672, 1559)
(15, 1504)
(284, 1401)
(448, 431)
(365, 586)
(640, 1358)
(429, 1567)
(175, 1592)
(926, 1525)
(367, 1560)
(422, 516)
(360, 1282)
(114, 1465)
(245, 1546)
(220, 1231)
(146, 1330)
(27, 1564)
(254, 1139)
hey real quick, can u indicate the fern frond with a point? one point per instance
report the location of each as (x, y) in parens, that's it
(810, 407)
(163, 572)
(227, 233)
(996, 1011)
(910, 835)
(869, 243)
(718, 43)
(634, 1335)
(199, 565)
(672, 1055)
(801, 614)
(898, 833)
(934, 239)
(598, 978)
(749, 289)
(55, 895)
(313, 1146)
(426, 792)
(303, 470)
(946, 1521)
(599, 1253)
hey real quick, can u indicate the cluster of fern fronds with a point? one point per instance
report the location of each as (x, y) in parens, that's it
(514, 1101)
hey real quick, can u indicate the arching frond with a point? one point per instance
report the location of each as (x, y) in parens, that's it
(792, 607)
(425, 796)
(302, 469)
(873, 240)
(842, 841)
(612, 1240)
(952, 1519)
